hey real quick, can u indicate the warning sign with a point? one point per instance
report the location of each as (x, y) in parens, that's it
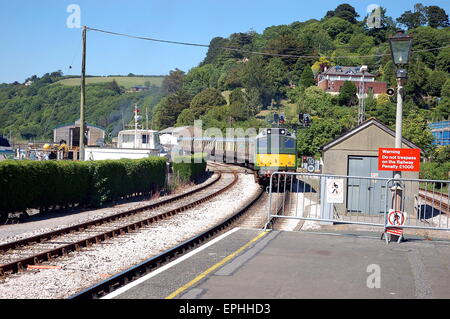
(399, 159)
(335, 191)
(396, 218)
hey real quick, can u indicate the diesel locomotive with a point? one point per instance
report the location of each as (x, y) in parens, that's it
(273, 149)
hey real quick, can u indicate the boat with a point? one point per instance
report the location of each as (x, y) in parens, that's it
(6, 151)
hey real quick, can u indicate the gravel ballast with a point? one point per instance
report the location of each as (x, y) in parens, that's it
(85, 268)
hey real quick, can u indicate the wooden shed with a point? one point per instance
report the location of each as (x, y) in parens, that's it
(355, 153)
(71, 134)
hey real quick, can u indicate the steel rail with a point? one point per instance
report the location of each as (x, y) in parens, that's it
(108, 285)
(20, 264)
(439, 200)
(52, 234)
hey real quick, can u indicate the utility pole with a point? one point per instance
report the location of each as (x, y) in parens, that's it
(362, 97)
(82, 97)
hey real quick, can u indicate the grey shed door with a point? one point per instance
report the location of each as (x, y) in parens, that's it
(366, 196)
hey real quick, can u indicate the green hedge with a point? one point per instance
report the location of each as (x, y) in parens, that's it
(434, 170)
(44, 184)
(189, 168)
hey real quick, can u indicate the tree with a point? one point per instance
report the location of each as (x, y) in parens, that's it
(276, 74)
(437, 17)
(320, 65)
(441, 111)
(255, 79)
(415, 129)
(206, 99)
(307, 78)
(186, 118)
(238, 108)
(198, 78)
(445, 91)
(170, 107)
(113, 86)
(173, 82)
(417, 81)
(414, 19)
(425, 39)
(436, 80)
(443, 60)
(347, 94)
(344, 11)
(384, 111)
(322, 131)
(337, 26)
(286, 43)
(215, 51)
(315, 101)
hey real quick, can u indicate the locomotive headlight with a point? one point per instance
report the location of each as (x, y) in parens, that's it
(283, 132)
(269, 131)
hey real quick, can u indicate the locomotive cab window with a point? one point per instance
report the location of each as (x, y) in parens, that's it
(289, 143)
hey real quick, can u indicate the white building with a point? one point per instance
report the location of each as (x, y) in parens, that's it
(169, 136)
(133, 144)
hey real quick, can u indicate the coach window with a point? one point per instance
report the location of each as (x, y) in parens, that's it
(262, 144)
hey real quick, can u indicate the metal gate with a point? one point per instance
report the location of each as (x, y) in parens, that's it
(328, 199)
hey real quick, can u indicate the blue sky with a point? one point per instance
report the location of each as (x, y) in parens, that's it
(36, 39)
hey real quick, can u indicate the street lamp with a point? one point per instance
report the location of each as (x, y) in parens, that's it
(400, 50)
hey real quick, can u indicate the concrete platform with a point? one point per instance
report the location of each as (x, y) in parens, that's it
(253, 264)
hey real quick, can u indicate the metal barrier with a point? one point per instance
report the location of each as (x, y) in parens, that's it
(342, 199)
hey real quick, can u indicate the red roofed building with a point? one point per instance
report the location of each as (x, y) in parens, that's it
(333, 78)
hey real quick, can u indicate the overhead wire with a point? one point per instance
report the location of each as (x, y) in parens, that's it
(257, 52)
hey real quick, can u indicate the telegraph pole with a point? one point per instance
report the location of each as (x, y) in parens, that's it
(82, 96)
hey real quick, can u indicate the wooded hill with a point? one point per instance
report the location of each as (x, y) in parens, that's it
(30, 112)
(275, 72)
(247, 76)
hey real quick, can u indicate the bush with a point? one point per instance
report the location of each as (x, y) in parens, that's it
(32, 184)
(433, 170)
(189, 168)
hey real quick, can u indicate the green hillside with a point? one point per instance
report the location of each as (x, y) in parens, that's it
(276, 71)
(125, 81)
(30, 112)
(246, 77)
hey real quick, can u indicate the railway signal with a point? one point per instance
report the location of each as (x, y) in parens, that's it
(304, 119)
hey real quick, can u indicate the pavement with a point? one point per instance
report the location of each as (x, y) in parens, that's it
(254, 264)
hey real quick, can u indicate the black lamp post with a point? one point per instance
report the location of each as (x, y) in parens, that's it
(400, 50)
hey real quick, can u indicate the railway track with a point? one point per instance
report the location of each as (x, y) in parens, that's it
(121, 279)
(16, 256)
(437, 200)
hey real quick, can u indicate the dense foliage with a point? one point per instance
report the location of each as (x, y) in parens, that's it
(282, 77)
(189, 168)
(44, 184)
(31, 112)
(246, 77)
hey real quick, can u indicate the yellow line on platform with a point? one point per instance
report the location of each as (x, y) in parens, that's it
(214, 267)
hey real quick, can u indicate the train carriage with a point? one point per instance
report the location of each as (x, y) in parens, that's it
(273, 149)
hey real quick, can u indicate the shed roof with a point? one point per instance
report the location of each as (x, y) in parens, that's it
(77, 123)
(171, 130)
(362, 126)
